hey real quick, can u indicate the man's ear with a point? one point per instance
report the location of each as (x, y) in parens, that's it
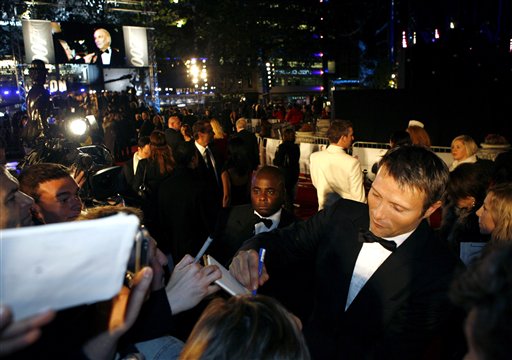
(37, 214)
(432, 208)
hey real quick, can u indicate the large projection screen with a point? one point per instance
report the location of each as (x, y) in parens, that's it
(77, 43)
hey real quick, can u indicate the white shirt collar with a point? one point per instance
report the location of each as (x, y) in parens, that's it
(276, 218)
(200, 147)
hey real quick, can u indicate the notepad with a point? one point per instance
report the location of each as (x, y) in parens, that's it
(58, 266)
(227, 281)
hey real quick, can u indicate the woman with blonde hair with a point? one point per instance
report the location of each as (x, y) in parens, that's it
(220, 138)
(495, 215)
(464, 150)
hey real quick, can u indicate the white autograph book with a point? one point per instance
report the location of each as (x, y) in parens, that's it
(57, 266)
(227, 281)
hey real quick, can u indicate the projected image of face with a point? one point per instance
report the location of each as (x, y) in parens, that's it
(102, 39)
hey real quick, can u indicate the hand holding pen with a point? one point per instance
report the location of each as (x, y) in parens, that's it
(261, 259)
(244, 267)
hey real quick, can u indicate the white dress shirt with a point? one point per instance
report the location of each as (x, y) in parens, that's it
(261, 228)
(105, 56)
(336, 174)
(136, 159)
(370, 258)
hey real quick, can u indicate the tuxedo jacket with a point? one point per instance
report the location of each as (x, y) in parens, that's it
(335, 174)
(285, 281)
(173, 138)
(116, 58)
(238, 227)
(214, 184)
(185, 213)
(401, 311)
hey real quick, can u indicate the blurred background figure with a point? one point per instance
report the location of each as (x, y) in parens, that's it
(220, 138)
(397, 138)
(495, 215)
(39, 106)
(287, 159)
(150, 173)
(419, 136)
(258, 327)
(465, 193)
(236, 175)
(464, 150)
(186, 131)
(483, 290)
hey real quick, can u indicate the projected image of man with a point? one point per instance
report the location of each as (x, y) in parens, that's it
(105, 54)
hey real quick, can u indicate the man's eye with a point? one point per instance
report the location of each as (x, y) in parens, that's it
(271, 192)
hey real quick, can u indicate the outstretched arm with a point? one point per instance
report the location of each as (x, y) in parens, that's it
(244, 267)
(190, 283)
(16, 335)
(125, 310)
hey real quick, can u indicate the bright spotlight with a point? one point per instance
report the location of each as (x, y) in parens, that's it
(78, 127)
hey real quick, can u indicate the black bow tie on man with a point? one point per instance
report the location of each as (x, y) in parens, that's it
(368, 236)
(267, 222)
(105, 51)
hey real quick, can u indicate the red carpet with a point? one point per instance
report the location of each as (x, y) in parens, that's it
(306, 198)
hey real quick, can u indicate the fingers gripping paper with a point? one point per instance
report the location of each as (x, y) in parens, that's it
(57, 266)
(227, 281)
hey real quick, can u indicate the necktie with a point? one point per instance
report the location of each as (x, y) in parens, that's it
(267, 222)
(368, 236)
(209, 163)
(106, 51)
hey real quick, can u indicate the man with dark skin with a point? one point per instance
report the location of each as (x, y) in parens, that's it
(264, 214)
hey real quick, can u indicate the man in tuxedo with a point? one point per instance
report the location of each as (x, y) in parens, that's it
(374, 298)
(105, 54)
(250, 141)
(173, 134)
(185, 208)
(264, 214)
(334, 173)
(209, 166)
(130, 168)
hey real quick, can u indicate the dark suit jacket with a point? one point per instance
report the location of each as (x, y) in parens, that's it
(236, 228)
(173, 138)
(185, 213)
(251, 145)
(401, 310)
(212, 183)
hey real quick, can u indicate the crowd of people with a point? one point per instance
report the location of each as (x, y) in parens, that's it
(366, 277)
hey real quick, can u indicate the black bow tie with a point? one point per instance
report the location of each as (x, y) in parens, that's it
(368, 236)
(267, 222)
(106, 51)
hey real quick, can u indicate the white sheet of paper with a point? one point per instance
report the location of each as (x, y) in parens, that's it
(57, 266)
(227, 281)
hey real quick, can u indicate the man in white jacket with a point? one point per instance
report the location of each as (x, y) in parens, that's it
(334, 173)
